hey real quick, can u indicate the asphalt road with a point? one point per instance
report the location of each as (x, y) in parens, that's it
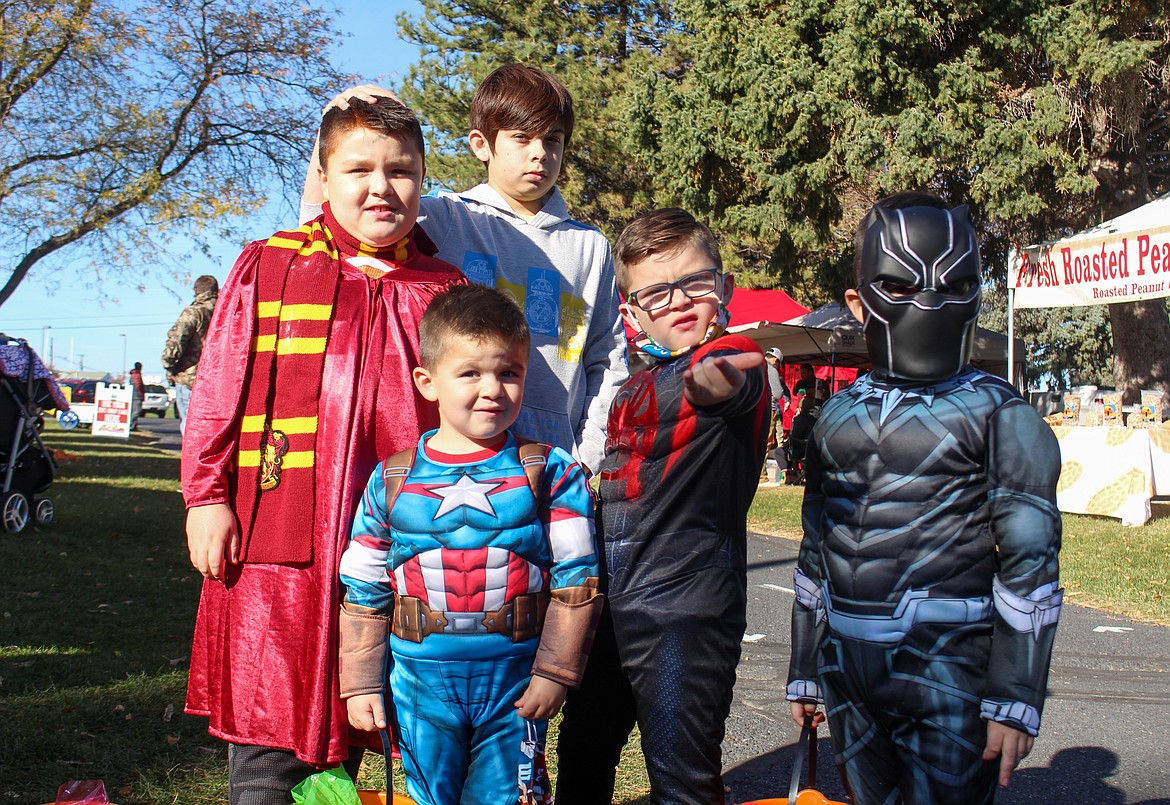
(165, 431)
(1102, 740)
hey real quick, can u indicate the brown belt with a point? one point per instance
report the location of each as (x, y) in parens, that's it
(518, 620)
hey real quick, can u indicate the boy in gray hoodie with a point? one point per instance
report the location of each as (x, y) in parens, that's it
(514, 232)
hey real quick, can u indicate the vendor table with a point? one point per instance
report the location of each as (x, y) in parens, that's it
(1112, 471)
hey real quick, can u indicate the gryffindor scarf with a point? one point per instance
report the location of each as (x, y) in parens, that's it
(296, 284)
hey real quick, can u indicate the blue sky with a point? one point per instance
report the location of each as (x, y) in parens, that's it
(126, 323)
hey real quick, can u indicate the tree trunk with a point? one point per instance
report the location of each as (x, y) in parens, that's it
(1141, 342)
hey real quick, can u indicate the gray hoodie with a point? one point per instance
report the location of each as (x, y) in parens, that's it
(560, 271)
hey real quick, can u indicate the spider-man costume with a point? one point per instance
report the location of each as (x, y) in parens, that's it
(927, 591)
(676, 485)
(467, 558)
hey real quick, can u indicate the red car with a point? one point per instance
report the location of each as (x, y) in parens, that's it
(80, 391)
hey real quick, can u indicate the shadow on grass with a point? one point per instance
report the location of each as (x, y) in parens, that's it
(98, 610)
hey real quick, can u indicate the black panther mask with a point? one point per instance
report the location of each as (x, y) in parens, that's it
(920, 287)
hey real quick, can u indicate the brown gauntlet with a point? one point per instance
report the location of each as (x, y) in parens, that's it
(567, 635)
(365, 636)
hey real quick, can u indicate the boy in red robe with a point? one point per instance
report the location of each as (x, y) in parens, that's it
(305, 383)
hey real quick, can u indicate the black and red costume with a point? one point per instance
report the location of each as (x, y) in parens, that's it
(676, 484)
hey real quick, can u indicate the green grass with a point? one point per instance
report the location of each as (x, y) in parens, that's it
(1102, 564)
(96, 613)
(97, 610)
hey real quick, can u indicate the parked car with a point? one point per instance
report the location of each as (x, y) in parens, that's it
(80, 391)
(81, 395)
(155, 401)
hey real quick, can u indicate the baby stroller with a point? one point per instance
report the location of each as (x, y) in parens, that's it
(26, 467)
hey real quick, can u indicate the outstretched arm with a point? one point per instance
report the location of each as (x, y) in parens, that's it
(717, 379)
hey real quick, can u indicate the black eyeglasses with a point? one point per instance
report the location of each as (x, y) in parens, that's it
(694, 286)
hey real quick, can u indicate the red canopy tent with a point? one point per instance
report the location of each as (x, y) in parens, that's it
(763, 304)
(751, 305)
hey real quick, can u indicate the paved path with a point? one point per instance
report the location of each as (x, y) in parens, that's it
(1106, 722)
(165, 432)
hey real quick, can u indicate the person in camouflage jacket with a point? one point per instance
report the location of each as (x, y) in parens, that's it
(184, 345)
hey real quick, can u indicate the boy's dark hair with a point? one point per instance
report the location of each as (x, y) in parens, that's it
(895, 201)
(474, 312)
(662, 231)
(516, 96)
(387, 116)
(206, 283)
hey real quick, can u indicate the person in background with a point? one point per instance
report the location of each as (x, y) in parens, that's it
(781, 397)
(184, 345)
(139, 394)
(514, 232)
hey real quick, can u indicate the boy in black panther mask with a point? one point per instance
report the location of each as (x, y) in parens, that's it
(927, 583)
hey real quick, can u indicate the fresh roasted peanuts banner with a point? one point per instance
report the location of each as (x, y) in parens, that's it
(1125, 259)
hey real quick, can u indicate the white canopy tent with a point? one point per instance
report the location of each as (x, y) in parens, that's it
(1124, 259)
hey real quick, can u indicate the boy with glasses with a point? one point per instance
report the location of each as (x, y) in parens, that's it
(685, 446)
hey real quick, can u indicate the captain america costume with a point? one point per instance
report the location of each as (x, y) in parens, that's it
(927, 590)
(463, 544)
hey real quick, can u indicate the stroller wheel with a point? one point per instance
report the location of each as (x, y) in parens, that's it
(43, 511)
(14, 511)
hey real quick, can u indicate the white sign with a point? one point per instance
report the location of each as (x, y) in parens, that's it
(112, 407)
(1125, 259)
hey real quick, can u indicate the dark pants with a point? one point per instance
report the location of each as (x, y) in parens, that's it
(676, 685)
(905, 720)
(679, 641)
(262, 775)
(596, 722)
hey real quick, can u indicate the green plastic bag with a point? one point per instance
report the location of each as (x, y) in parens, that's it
(329, 787)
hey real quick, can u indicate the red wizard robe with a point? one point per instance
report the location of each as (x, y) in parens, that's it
(264, 659)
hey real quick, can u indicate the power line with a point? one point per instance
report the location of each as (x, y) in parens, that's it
(121, 325)
(79, 318)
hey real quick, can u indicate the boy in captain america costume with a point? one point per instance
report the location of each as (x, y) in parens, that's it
(927, 591)
(472, 558)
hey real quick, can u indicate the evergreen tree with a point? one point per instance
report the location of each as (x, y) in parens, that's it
(781, 122)
(591, 45)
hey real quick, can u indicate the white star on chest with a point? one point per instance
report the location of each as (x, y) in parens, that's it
(465, 492)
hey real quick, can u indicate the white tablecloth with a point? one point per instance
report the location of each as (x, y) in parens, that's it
(1112, 471)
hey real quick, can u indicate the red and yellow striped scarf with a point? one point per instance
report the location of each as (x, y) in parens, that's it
(296, 285)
